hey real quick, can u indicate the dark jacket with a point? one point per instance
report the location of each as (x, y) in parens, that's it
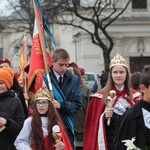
(79, 116)
(132, 125)
(18, 90)
(71, 90)
(11, 109)
(73, 100)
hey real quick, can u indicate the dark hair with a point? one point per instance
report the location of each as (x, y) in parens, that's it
(37, 133)
(146, 76)
(77, 72)
(60, 53)
(19, 91)
(136, 80)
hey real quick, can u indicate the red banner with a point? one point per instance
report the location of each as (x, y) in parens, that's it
(37, 66)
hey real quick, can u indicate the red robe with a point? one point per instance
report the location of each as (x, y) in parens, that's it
(93, 113)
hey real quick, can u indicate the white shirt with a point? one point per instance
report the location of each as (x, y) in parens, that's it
(23, 140)
(146, 117)
(57, 75)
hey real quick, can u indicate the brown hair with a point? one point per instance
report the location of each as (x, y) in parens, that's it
(136, 80)
(146, 76)
(77, 72)
(60, 53)
(110, 84)
(37, 133)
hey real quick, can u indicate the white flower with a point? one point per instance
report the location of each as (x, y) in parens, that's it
(130, 145)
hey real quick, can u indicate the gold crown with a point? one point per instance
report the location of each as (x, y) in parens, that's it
(42, 94)
(118, 60)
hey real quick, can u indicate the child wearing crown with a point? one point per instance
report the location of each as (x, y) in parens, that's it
(44, 130)
(104, 110)
(135, 123)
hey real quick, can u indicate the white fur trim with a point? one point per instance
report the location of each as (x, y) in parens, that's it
(101, 140)
(99, 96)
(136, 94)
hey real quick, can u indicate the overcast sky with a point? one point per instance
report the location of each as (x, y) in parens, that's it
(4, 8)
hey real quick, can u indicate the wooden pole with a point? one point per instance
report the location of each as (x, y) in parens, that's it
(25, 63)
(39, 23)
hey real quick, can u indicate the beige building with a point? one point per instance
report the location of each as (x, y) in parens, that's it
(131, 36)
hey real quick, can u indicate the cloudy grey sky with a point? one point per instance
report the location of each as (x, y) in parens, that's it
(4, 8)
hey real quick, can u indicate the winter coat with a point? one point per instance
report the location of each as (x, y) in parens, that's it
(71, 90)
(19, 92)
(132, 125)
(11, 109)
(69, 97)
(79, 116)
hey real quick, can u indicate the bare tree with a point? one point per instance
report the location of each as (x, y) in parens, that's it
(20, 19)
(100, 14)
(1, 26)
(23, 15)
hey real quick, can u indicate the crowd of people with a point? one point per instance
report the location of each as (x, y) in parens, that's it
(73, 118)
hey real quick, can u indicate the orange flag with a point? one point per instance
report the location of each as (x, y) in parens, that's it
(21, 66)
(23, 62)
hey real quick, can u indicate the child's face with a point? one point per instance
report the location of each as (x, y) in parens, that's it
(42, 106)
(3, 87)
(119, 75)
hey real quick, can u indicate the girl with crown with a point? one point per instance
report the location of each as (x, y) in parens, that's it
(44, 130)
(105, 110)
(135, 123)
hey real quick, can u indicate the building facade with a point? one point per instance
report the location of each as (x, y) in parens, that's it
(130, 33)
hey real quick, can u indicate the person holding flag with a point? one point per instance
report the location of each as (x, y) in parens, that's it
(66, 96)
(66, 90)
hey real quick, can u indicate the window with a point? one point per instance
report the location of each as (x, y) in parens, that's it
(89, 77)
(139, 4)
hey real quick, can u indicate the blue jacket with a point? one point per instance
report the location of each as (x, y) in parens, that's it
(71, 91)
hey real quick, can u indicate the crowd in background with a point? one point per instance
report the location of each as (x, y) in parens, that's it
(74, 117)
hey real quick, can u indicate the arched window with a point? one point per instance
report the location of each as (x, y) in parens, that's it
(139, 4)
